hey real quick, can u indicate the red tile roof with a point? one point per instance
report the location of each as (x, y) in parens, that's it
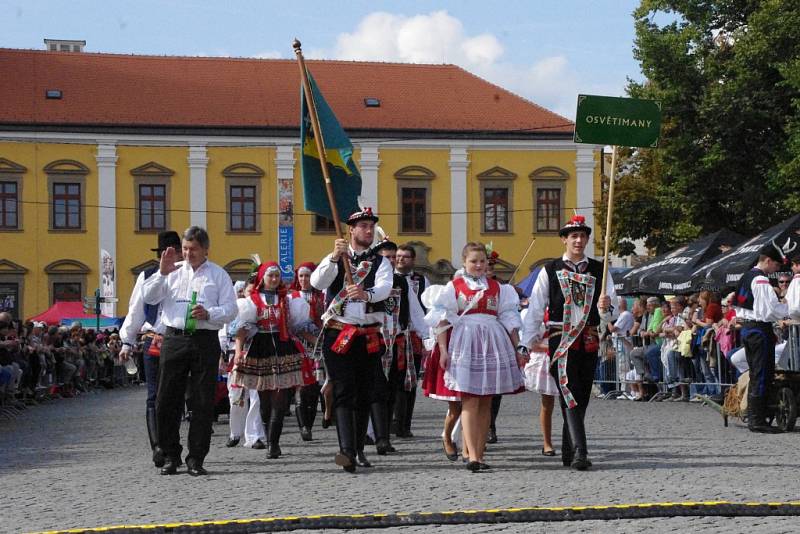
(111, 90)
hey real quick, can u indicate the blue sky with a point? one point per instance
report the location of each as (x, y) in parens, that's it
(547, 51)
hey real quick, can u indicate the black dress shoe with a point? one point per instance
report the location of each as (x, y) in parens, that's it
(232, 442)
(273, 451)
(158, 457)
(483, 467)
(492, 438)
(259, 445)
(474, 466)
(194, 468)
(361, 459)
(383, 447)
(305, 433)
(170, 467)
(345, 461)
(581, 463)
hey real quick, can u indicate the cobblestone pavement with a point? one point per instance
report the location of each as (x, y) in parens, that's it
(83, 462)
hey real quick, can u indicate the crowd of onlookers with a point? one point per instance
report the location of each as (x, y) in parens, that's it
(681, 348)
(40, 362)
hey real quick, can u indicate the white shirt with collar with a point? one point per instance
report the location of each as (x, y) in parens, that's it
(766, 307)
(355, 310)
(174, 292)
(136, 321)
(540, 300)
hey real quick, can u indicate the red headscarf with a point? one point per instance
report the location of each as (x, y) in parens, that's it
(317, 304)
(261, 306)
(310, 265)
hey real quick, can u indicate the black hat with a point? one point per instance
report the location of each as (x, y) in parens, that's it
(364, 215)
(576, 224)
(385, 243)
(774, 252)
(167, 239)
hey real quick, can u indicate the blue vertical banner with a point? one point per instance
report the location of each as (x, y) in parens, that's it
(286, 228)
(286, 251)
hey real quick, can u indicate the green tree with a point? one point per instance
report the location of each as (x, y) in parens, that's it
(728, 75)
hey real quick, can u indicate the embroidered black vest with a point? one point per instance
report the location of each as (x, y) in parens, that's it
(556, 306)
(369, 280)
(744, 292)
(401, 284)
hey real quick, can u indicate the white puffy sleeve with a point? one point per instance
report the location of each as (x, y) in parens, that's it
(441, 304)
(245, 318)
(793, 298)
(299, 319)
(508, 308)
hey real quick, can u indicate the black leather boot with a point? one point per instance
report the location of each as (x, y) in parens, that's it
(397, 412)
(346, 432)
(567, 451)
(152, 433)
(380, 424)
(757, 416)
(411, 400)
(300, 414)
(274, 434)
(577, 433)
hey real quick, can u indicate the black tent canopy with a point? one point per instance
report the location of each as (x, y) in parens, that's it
(671, 273)
(725, 271)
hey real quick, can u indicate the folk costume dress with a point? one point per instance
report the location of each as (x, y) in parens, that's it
(274, 358)
(308, 395)
(483, 361)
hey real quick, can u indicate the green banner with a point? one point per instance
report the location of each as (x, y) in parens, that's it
(608, 120)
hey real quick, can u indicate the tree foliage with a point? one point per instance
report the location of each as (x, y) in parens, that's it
(728, 75)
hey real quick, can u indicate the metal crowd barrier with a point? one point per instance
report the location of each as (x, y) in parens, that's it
(711, 372)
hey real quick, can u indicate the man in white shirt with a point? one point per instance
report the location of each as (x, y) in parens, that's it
(197, 299)
(757, 307)
(146, 318)
(569, 288)
(405, 259)
(352, 340)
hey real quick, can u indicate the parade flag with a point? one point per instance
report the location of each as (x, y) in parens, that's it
(345, 177)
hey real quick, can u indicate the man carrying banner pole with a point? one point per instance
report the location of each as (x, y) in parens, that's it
(356, 278)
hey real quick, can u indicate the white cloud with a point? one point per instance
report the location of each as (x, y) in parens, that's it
(438, 37)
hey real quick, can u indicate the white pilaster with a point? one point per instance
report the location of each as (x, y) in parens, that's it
(284, 164)
(106, 159)
(584, 170)
(198, 163)
(369, 163)
(459, 163)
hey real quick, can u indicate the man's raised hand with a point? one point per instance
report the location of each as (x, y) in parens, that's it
(168, 259)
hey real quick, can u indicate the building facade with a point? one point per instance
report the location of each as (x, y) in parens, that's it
(90, 177)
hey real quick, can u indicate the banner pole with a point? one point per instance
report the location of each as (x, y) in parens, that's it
(609, 217)
(530, 246)
(323, 161)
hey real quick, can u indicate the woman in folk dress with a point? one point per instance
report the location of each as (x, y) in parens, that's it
(269, 357)
(479, 359)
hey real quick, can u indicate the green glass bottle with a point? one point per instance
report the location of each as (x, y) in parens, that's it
(190, 323)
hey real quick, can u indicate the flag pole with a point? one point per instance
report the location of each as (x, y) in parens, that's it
(323, 161)
(522, 260)
(609, 216)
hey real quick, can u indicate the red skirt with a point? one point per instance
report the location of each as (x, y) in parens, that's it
(433, 381)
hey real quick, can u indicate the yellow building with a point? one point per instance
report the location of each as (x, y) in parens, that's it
(100, 152)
